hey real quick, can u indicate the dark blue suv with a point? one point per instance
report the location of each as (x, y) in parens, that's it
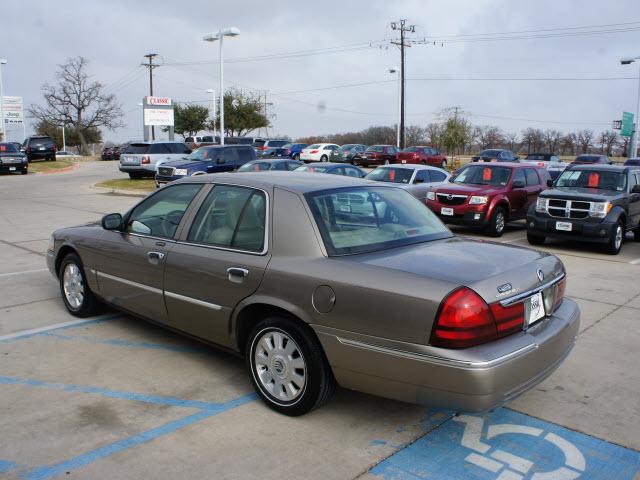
(209, 159)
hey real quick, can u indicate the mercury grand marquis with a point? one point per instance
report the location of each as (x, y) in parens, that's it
(321, 280)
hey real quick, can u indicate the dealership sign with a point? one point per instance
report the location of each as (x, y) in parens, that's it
(12, 110)
(158, 101)
(158, 117)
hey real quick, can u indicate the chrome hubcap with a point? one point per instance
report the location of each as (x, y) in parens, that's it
(279, 365)
(73, 285)
(499, 222)
(618, 237)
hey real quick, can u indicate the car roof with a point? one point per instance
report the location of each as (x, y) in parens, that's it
(149, 142)
(502, 164)
(412, 166)
(542, 154)
(602, 167)
(300, 182)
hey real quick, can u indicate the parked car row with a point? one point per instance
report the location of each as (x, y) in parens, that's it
(112, 153)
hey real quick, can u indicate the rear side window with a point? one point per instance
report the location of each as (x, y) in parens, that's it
(159, 148)
(532, 177)
(178, 148)
(231, 217)
(137, 148)
(422, 176)
(519, 175)
(277, 143)
(246, 154)
(230, 155)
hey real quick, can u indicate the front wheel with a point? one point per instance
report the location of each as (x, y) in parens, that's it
(614, 245)
(497, 222)
(76, 295)
(324, 158)
(287, 366)
(296, 157)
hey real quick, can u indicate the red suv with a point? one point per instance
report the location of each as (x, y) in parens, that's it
(376, 155)
(423, 155)
(488, 195)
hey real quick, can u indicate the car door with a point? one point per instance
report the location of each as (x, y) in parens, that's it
(219, 260)
(420, 184)
(634, 199)
(129, 264)
(534, 186)
(518, 196)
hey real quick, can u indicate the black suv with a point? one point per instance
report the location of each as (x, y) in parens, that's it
(590, 203)
(40, 147)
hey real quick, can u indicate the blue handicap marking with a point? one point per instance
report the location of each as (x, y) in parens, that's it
(506, 445)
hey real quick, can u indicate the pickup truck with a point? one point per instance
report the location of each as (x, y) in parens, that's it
(589, 203)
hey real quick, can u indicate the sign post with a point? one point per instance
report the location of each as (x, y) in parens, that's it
(157, 111)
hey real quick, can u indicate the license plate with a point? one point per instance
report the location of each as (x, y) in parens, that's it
(404, 161)
(564, 226)
(446, 211)
(536, 308)
(40, 148)
(12, 169)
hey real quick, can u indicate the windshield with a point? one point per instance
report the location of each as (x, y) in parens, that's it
(346, 148)
(203, 154)
(8, 148)
(588, 158)
(599, 179)
(310, 168)
(393, 175)
(484, 175)
(277, 143)
(489, 153)
(366, 219)
(254, 167)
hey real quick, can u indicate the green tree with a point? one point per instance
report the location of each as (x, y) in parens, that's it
(189, 119)
(72, 139)
(243, 113)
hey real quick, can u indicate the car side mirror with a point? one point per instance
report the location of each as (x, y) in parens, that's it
(112, 221)
(635, 189)
(518, 184)
(549, 183)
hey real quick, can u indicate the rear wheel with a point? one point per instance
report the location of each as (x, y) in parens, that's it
(135, 175)
(444, 164)
(287, 366)
(614, 245)
(324, 158)
(497, 222)
(77, 296)
(535, 239)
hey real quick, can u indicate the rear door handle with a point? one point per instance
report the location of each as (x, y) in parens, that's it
(237, 274)
(155, 258)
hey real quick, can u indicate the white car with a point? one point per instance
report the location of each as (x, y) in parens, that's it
(318, 152)
(552, 163)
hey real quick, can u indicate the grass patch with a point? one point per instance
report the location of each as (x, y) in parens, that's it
(39, 166)
(142, 185)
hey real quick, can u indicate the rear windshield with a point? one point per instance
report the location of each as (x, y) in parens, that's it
(8, 148)
(375, 148)
(277, 143)
(484, 175)
(589, 158)
(254, 167)
(393, 175)
(366, 219)
(539, 157)
(41, 141)
(490, 153)
(346, 148)
(137, 148)
(599, 179)
(312, 168)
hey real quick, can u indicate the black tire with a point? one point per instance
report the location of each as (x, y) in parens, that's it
(296, 156)
(324, 158)
(497, 223)
(535, 239)
(53, 159)
(319, 383)
(614, 245)
(135, 175)
(636, 234)
(88, 305)
(24, 171)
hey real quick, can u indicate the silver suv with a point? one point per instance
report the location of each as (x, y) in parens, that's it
(141, 159)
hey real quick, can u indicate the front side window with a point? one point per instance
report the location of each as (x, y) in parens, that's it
(312, 168)
(484, 175)
(352, 172)
(422, 176)
(437, 176)
(160, 214)
(231, 217)
(366, 219)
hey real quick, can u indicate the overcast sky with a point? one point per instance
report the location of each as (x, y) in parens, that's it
(36, 36)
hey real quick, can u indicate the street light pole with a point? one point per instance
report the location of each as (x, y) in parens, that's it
(212, 37)
(213, 108)
(397, 71)
(64, 142)
(3, 130)
(633, 147)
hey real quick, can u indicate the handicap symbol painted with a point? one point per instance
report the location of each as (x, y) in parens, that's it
(516, 466)
(507, 445)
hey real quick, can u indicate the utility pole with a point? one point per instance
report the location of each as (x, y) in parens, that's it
(151, 66)
(402, 26)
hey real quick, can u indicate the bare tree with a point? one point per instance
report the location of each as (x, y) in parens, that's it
(607, 141)
(568, 143)
(511, 141)
(624, 144)
(414, 135)
(552, 139)
(490, 137)
(78, 101)
(533, 138)
(433, 134)
(585, 140)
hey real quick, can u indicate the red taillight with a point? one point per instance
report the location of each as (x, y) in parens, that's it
(508, 319)
(313, 151)
(146, 160)
(464, 320)
(262, 148)
(415, 155)
(560, 292)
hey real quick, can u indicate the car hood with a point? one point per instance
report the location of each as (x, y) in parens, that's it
(469, 189)
(480, 265)
(184, 163)
(585, 194)
(12, 154)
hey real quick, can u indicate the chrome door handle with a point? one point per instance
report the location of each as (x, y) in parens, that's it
(155, 258)
(237, 274)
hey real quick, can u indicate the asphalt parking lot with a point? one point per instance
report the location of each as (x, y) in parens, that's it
(113, 397)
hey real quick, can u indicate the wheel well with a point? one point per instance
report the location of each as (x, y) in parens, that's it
(252, 314)
(63, 252)
(505, 206)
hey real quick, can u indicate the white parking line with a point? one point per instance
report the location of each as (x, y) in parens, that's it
(55, 326)
(10, 274)
(635, 262)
